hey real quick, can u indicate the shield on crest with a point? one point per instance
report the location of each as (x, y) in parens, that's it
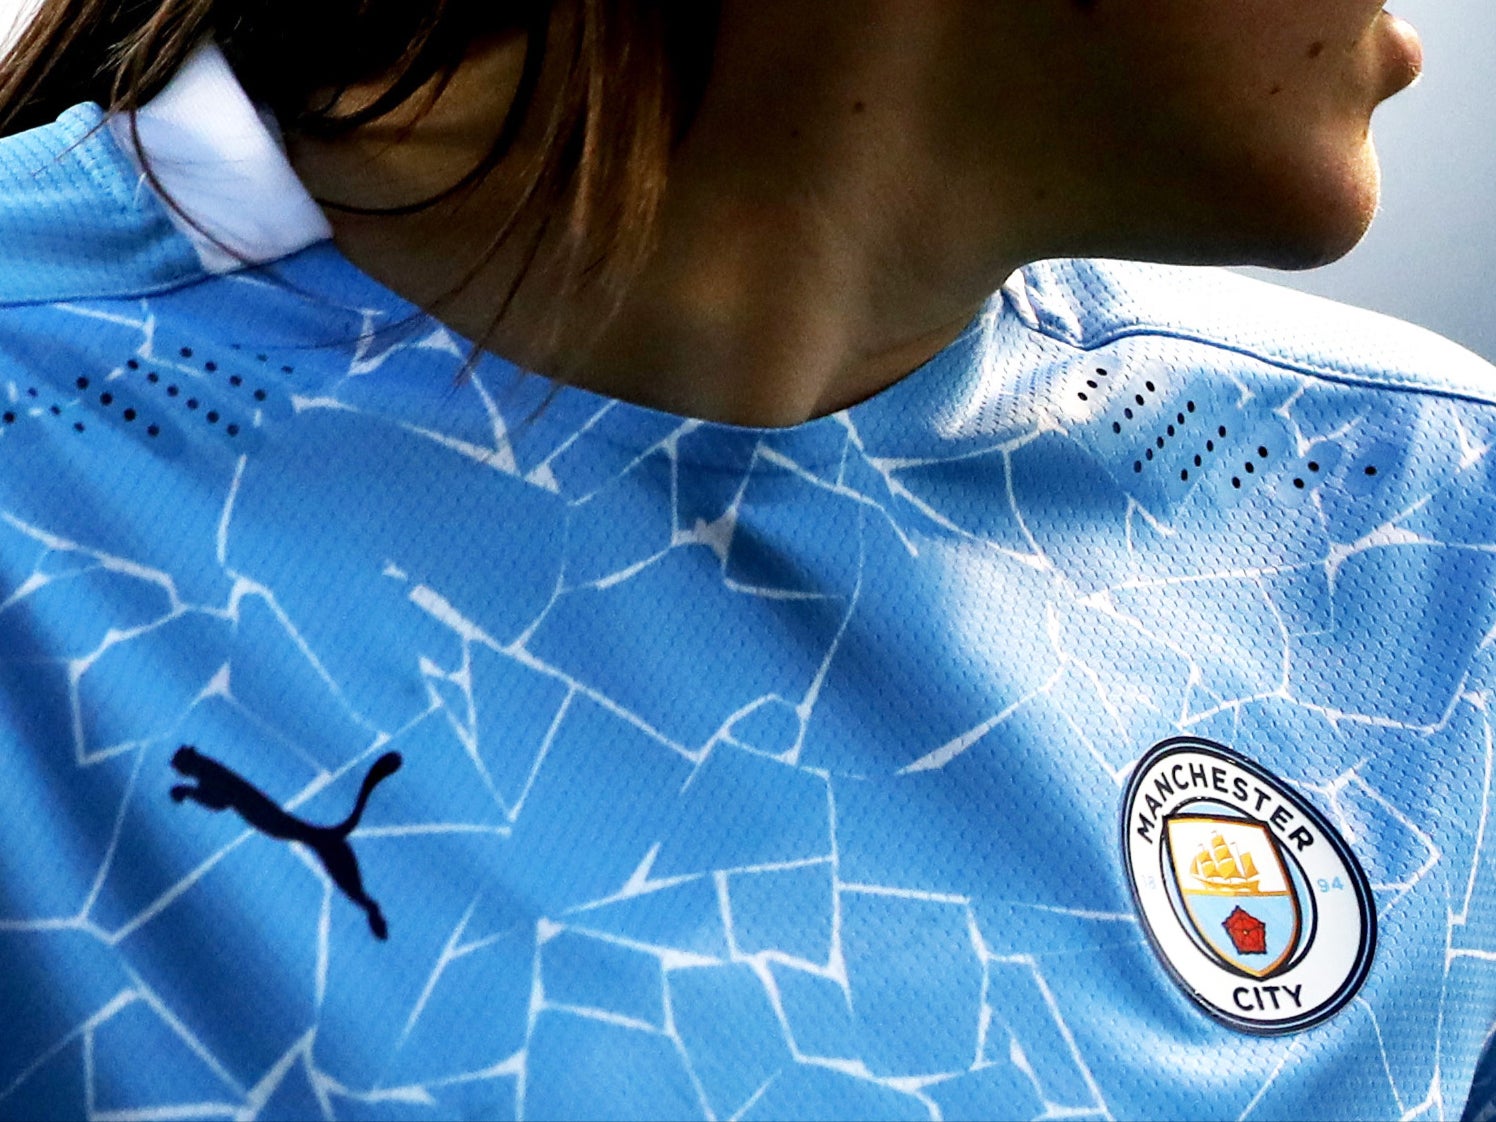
(1236, 891)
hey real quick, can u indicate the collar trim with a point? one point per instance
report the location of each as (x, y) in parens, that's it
(220, 164)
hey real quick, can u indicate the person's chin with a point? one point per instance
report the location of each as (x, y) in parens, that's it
(1314, 216)
(1310, 250)
(1294, 210)
(1295, 243)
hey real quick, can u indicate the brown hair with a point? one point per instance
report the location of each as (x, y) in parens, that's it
(632, 72)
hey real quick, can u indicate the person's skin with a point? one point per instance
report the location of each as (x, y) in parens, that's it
(864, 173)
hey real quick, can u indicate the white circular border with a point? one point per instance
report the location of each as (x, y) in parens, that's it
(1338, 957)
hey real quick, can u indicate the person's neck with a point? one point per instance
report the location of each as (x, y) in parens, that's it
(792, 278)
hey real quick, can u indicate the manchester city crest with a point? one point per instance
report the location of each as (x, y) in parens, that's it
(1251, 899)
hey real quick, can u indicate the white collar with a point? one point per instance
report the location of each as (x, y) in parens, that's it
(220, 164)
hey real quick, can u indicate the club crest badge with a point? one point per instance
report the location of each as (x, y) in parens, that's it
(1251, 899)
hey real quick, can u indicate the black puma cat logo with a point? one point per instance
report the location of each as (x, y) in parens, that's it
(218, 788)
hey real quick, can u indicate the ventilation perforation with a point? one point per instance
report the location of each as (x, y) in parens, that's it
(1313, 469)
(125, 395)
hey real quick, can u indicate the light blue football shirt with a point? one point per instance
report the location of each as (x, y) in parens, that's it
(1095, 724)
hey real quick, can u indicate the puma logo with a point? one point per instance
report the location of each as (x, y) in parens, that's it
(219, 788)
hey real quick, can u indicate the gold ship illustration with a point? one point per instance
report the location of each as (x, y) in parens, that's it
(1224, 869)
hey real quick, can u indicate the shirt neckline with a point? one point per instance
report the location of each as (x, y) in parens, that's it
(233, 195)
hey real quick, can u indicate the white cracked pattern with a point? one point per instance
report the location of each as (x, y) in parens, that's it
(745, 774)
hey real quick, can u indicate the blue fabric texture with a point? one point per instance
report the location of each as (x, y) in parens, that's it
(741, 773)
(78, 220)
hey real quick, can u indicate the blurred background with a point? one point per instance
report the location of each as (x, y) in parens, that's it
(1431, 256)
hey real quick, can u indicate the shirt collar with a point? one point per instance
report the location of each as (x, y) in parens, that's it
(229, 188)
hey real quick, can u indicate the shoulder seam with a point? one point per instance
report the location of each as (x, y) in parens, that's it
(1389, 382)
(133, 293)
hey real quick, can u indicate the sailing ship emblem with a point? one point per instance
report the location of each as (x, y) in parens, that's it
(1236, 892)
(1225, 869)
